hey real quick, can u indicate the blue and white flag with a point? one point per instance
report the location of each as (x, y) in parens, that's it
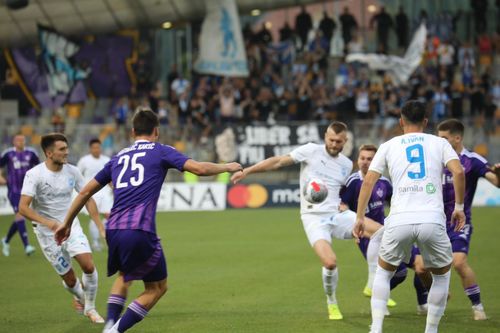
(222, 51)
(400, 68)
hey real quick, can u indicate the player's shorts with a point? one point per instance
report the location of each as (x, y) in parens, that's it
(14, 199)
(327, 226)
(137, 254)
(60, 256)
(431, 239)
(460, 240)
(103, 200)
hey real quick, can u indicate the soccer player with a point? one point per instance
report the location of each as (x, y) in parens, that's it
(475, 167)
(89, 165)
(323, 221)
(17, 160)
(134, 249)
(45, 199)
(415, 161)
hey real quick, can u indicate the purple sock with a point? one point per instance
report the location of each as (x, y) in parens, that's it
(21, 227)
(422, 293)
(474, 294)
(399, 277)
(12, 231)
(134, 314)
(115, 307)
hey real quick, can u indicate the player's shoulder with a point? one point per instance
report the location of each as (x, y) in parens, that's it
(7, 151)
(353, 178)
(71, 168)
(385, 180)
(473, 156)
(344, 160)
(37, 170)
(31, 150)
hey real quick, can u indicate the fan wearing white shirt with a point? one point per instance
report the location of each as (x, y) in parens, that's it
(323, 221)
(45, 200)
(89, 165)
(415, 162)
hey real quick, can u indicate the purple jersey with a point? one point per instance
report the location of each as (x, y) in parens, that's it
(137, 173)
(18, 163)
(382, 191)
(475, 166)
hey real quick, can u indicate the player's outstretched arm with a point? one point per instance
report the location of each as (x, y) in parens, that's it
(271, 163)
(63, 232)
(94, 215)
(493, 176)
(458, 216)
(364, 196)
(29, 213)
(209, 168)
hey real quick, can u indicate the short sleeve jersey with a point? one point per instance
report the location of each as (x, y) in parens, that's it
(138, 173)
(315, 162)
(381, 193)
(475, 167)
(17, 164)
(51, 192)
(415, 162)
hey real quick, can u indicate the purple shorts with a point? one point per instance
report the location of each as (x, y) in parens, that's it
(460, 240)
(14, 199)
(137, 254)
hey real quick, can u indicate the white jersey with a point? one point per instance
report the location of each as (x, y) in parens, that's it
(315, 162)
(52, 191)
(90, 166)
(415, 162)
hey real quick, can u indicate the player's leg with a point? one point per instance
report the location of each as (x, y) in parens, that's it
(116, 300)
(422, 281)
(435, 247)
(18, 225)
(94, 235)
(395, 247)
(73, 285)
(460, 241)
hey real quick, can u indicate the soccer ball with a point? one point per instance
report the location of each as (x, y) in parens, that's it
(315, 191)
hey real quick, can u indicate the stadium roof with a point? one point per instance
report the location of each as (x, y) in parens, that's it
(78, 17)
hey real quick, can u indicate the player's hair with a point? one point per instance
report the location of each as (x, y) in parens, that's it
(414, 112)
(48, 141)
(372, 148)
(94, 140)
(337, 127)
(144, 121)
(454, 126)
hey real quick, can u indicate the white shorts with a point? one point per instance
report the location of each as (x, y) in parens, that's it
(431, 239)
(60, 256)
(103, 200)
(327, 226)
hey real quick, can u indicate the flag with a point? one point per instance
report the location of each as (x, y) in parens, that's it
(222, 51)
(400, 68)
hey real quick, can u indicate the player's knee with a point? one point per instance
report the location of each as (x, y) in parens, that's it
(460, 265)
(88, 268)
(330, 263)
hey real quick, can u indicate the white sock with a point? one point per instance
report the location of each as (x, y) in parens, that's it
(90, 289)
(330, 280)
(76, 290)
(436, 301)
(372, 255)
(94, 232)
(380, 294)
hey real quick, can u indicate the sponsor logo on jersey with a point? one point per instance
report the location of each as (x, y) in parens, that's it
(430, 188)
(410, 189)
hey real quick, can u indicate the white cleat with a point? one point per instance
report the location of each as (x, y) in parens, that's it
(5, 247)
(29, 250)
(94, 316)
(108, 327)
(422, 309)
(478, 312)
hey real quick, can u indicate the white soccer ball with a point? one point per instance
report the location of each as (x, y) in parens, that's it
(315, 191)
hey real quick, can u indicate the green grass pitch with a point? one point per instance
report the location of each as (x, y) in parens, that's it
(245, 271)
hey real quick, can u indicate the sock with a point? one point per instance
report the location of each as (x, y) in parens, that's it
(437, 301)
(330, 280)
(422, 292)
(134, 314)
(94, 232)
(90, 289)
(474, 294)
(11, 232)
(76, 290)
(399, 276)
(380, 295)
(115, 307)
(21, 227)
(372, 255)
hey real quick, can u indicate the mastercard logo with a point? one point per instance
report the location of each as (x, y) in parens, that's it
(251, 196)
